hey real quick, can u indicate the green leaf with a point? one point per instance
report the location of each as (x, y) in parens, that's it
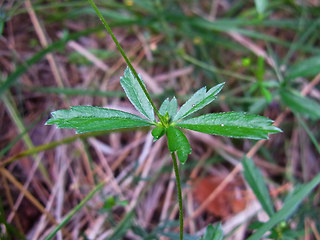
(136, 95)
(266, 93)
(198, 101)
(122, 227)
(306, 68)
(157, 133)
(90, 119)
(288, 208)
(255, 180)
(261, 5)
(260, 70)
(298, 103)
(169, 107)
(213, 233)
(178, 142)
(231, 124)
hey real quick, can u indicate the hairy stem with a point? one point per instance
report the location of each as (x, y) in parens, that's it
(176, 171)
(134, 72)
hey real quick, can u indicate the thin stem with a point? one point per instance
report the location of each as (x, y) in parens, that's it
(176, 171)
(125, 58)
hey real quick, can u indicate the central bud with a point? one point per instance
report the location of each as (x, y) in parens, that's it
(165, 120)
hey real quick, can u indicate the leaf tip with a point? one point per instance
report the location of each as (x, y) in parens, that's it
(50, 121)
(277, 130)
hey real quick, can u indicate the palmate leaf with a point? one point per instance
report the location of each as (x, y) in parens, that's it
(198, 101)
(178, 142)
(90, 119)
(231, 124)
(136, 95)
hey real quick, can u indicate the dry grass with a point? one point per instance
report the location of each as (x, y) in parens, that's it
(39, 188)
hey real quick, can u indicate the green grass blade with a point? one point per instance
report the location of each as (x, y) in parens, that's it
(306, 68)
(255, 180)
(303, 38)
(75, 210)
(17, 139)
(122, 227)
(17, 119)
(231, 124)
(288, 208)
(300, 104)
(90, 119)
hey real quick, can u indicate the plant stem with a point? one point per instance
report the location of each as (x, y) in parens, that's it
(134, 72)
(176, 171)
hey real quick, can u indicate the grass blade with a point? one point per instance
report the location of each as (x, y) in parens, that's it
(288, 208)
(75, 210)
(300, 104)
(122, 227)
(254, 178)
(306, 68)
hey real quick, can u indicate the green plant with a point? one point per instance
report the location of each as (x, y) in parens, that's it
(167, 121)
(232, 124)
